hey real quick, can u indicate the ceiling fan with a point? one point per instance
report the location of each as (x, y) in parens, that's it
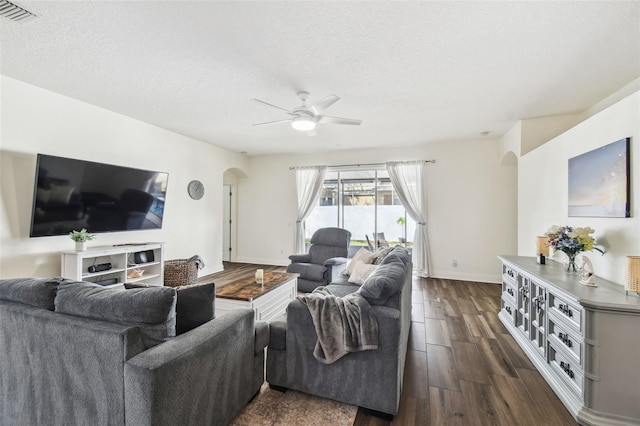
(307, 116)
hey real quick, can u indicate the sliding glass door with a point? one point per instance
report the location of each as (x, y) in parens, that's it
(363, 202)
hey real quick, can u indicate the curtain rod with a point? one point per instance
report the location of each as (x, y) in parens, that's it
(366, 164)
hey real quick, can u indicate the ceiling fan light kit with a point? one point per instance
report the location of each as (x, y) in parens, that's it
(303, 123)
(305, 117)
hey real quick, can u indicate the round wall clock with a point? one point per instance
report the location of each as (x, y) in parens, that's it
(195, 189)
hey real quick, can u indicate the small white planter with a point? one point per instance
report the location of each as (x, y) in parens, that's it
(81, 245)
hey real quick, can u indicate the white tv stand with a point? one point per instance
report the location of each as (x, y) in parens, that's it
(585, 341)
(75, 264)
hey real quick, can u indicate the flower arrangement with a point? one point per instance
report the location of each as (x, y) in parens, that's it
(571, 241)
(81, 236)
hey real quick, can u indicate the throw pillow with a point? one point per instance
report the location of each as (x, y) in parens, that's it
(363, 255)
(153, 310)
(195, 305)
(38, 292)
(387, 281)
(361, 271)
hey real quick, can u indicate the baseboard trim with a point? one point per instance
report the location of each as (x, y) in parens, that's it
(465, 276)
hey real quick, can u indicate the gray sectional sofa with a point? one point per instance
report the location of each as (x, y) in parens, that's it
(371, 379)
(74, 353)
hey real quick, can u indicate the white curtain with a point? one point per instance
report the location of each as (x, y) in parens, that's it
(309, 182)
(408, 182)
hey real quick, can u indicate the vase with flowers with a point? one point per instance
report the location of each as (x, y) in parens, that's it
(571, 241)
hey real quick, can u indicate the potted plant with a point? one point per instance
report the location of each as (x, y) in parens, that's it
(401, 221)
(81, 237)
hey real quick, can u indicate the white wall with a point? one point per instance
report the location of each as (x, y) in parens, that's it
(471, 202)
(35, 120)
(543, 182)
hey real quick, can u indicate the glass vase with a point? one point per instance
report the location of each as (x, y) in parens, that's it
(570, 264)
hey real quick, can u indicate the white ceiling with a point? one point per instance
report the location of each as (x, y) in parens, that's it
(414, 72)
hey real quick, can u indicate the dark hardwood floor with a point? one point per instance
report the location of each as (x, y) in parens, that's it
(462, 367)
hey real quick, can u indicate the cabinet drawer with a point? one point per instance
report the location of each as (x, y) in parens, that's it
(509, 308)
(509, 291)
(568, 312)
(508, 273)
(567, 369)
(562, 337)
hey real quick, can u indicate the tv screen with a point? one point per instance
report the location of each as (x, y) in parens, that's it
(74, 194)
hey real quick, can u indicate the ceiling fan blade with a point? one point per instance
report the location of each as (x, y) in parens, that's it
(325, 119)
(272, 122)
(324, 103)
(273, 106)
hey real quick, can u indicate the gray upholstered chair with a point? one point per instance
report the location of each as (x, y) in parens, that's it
(327, 258)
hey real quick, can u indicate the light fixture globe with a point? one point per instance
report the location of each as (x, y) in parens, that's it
(303, 123)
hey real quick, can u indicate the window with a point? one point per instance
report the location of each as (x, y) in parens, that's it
(363, 202)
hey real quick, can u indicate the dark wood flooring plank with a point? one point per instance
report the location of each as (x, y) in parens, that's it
(483, 304)
(433, 309)
(412, 411)
(494, 322)
(436, 332)
(553, 412)
(515, 395)
(447, 408)
(468, 362)
(485, 406)
(467, 306)
(451, 308)
(494, 358)
(442, 368)
(417, 337)
(416, 376)
(514, 352)
(478, 326)
(432, 290)
(458, 329)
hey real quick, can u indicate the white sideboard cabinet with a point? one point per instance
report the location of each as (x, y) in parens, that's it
(585, 341)
(123, 261)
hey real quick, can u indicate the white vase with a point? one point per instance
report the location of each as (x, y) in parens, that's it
(81, 245)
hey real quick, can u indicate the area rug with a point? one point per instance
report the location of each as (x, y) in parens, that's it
(273, 408)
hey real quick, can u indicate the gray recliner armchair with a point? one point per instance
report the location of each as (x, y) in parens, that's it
(326, 260)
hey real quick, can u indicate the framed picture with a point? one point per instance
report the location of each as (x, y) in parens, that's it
(599, 182)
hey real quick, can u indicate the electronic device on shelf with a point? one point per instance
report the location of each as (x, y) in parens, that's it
(108, 281)
(99, 267)
(145, 256)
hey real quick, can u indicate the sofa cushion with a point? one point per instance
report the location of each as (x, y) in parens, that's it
(195, 304)
(308, 271)
(362, 255)
(386, 281)
(381, 253)
(341, 290)
(397, 254)
(38, 292)
(150, 309)
(360, 272)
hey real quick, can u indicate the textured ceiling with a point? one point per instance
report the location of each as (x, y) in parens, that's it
(414, 72)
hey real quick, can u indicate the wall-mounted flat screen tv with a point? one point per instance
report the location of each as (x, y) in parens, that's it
(74, 194)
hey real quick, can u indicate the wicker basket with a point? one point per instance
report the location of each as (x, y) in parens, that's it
(180, 272)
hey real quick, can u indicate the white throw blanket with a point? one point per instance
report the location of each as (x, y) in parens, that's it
(343, 324)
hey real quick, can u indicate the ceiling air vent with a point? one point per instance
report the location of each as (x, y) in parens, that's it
(15, 13)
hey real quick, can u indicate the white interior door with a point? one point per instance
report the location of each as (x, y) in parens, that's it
(227, 195)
